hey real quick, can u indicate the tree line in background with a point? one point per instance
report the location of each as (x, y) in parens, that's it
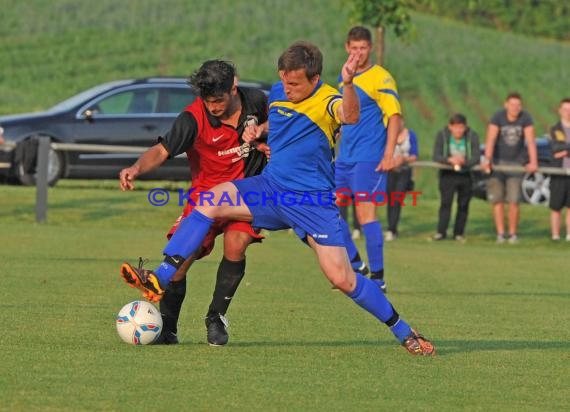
(544, 18)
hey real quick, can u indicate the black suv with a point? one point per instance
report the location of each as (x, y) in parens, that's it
(126, 113)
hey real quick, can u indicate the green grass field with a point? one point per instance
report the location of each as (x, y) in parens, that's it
(498, 315)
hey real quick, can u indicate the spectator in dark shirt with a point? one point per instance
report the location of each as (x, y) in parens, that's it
(507, 133)
(400, 178)
(560, 185)
(456, 145)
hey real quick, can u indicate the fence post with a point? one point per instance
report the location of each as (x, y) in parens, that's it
(42, 179)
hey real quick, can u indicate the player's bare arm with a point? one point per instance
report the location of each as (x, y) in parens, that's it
(148, 161)
(492, 133)
(532, 165)
(394, 126)
(349, 110)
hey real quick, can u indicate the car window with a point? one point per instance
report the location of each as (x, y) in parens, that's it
(174, 100)
(141, 101)
(86, 95)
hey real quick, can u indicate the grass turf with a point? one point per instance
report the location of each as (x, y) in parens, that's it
(498, 315)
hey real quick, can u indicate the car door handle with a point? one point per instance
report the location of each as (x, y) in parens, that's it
(149, 127)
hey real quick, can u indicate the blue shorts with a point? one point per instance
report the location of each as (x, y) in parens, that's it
(361, 179)
(313, 214)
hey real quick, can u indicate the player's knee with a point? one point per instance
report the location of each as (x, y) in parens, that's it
(208, 210)
(235, 245)
(340, 276)
(234, 255)
(366, 214)
(342, 283)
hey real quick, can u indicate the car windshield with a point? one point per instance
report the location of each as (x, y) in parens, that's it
(86, 95)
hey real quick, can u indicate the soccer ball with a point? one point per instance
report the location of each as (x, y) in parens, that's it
(139, 323)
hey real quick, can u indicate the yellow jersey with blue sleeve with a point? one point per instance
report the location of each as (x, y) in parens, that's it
(301, 137)
(378, 94)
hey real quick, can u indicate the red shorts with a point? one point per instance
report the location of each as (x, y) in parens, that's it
(220, 226)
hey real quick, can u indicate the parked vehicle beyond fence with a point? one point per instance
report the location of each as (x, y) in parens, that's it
(122, 113)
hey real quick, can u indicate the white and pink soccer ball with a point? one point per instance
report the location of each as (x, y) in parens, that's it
(139, 323)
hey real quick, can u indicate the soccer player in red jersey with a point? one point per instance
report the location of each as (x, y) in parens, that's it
(209, 132)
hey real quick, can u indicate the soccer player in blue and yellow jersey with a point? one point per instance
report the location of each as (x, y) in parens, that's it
(366, 151)
(294, 191)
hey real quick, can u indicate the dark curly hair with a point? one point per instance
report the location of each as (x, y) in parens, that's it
(213, 78)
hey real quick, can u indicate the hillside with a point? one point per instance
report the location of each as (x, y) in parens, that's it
(453, 67)
(51, 50)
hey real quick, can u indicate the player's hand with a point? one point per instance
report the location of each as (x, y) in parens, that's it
(253, 132)
(399, 161)
(349, 68)
(126, 177)
(265, 149)
(386, 165)
(531, 167)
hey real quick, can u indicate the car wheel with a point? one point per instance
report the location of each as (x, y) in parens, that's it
(55, 170)
(536, 188)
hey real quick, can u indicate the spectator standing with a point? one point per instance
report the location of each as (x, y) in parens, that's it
(400, 178)
(507, 133)
(455, 145)
(560, 185)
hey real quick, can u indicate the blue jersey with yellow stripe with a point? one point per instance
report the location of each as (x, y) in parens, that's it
(301, 137)
(378, 94)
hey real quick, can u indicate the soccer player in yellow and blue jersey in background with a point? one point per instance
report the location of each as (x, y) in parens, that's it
(366, 151)
(295, 190)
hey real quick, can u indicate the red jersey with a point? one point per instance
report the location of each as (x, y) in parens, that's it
(216, 152)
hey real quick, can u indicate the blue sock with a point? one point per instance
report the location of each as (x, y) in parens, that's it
(185, 241)
(368, 296)
(374, 245)
(401, 330)
(349, 244)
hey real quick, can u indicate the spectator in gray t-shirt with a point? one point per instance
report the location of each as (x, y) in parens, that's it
(507, 133)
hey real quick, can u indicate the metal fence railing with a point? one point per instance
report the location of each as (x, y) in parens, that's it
(499, 168)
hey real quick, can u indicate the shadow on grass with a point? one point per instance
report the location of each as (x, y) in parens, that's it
(300, 343)
(444, 347)
(479, 294)
(449, 347)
